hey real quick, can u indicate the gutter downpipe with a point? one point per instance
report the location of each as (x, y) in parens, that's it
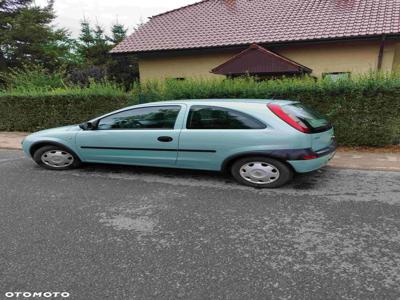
(381, 50)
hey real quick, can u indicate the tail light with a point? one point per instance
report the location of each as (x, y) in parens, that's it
(289, 118)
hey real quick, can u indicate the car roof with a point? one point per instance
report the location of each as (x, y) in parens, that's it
(219, 101)
(214, 102)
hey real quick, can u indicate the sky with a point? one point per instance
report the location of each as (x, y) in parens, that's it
(107, 12)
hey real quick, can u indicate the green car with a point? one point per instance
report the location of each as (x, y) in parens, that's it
(262, 143)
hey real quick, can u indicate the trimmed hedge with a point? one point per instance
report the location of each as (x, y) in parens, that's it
(32, 113)
(365, 111)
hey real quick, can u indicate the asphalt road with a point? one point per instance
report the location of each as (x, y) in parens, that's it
(138, 233)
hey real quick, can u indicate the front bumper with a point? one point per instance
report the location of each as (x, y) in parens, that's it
(25, 144)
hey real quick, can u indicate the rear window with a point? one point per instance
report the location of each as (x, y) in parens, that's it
(313, 119)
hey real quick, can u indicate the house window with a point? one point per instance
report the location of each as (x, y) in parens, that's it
(176, 78)
(335, 76)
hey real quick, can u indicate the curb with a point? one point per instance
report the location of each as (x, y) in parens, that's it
(10, 148)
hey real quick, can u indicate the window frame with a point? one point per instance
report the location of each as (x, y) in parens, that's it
(137, 108)
(328, 74)
(228, 109)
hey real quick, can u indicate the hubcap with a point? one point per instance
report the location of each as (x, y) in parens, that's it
(57, 158)
(259, 172)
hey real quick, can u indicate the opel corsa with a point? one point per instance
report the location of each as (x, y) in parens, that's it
(262, 143)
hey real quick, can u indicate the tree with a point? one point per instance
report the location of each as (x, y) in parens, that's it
(13, 5)
(124, 68)
(98, 64)
(93, 45)
(118, 32)
(27, 37)
(86, 36)
(28, 41)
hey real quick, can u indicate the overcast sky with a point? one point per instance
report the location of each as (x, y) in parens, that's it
(106, 12)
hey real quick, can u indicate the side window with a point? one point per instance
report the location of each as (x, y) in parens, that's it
(210, 117)
(160, 117)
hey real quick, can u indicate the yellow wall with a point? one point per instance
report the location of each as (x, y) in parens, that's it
(354, 57)
(183, 65)
(396, 59)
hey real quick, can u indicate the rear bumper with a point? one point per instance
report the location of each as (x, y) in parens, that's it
(327, 151)
(299, 159)
(323, 156)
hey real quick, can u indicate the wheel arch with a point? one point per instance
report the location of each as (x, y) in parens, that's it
(37, 145)
(229, 161)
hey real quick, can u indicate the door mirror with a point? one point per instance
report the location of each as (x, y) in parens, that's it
(88, 125)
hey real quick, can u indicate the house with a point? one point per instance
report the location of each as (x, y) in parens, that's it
(268, 38)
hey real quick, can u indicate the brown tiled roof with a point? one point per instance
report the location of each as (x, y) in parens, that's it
(258, 60)
(216, 23)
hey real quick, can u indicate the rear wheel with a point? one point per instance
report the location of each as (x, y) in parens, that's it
(56, 158)
(261, 172)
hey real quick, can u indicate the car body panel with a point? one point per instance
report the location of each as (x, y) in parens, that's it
(224, 143)
(139, 147)
(192, 148)
(61, 135)
(322, 140)
(305, 166)
(135, 147)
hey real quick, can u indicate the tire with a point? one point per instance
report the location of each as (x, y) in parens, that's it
(261, 172)
(63, 159)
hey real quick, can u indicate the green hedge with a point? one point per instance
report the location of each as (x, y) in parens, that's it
(32, 113)
(365, 111)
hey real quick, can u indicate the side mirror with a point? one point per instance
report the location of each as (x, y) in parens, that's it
(88, 125)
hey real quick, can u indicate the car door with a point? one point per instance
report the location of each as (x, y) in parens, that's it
(139, 136)
(212, 133)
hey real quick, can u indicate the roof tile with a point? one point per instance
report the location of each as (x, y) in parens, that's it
(213, 23)
(258, 60)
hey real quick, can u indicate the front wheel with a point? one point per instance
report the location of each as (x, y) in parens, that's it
(261, 172)
(56, 158)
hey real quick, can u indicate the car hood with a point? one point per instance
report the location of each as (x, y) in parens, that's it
(57, 130)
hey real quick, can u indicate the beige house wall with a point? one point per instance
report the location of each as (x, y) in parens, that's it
(182, 65)
(396, 58)
(354, 57)
(357, 57)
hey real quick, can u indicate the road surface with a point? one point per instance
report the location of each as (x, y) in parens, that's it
(113, 232)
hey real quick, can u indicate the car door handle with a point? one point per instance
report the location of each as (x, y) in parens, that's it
(165, 139)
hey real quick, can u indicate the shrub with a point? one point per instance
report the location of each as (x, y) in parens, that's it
(38, 110)
(31, 78)
(84, 76)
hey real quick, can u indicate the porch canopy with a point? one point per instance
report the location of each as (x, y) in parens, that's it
(257, 60)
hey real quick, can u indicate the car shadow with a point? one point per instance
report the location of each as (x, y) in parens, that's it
(300, 181)
(165, 172)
